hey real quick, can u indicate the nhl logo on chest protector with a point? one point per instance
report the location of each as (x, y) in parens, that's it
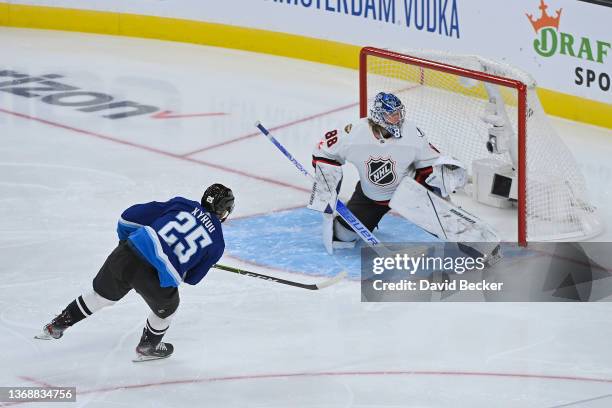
(381, 171)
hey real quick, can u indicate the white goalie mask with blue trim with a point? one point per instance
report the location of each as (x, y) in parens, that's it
(388, 112)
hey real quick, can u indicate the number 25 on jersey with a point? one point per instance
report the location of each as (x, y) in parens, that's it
(187, 231)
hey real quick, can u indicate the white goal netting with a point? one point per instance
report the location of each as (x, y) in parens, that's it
(449, 107)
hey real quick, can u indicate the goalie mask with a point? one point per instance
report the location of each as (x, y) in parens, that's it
(218, 200)
(388, 112)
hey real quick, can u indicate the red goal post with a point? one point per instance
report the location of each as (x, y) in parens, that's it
(421, 78)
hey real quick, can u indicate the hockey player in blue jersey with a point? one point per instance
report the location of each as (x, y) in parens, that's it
(161, 244)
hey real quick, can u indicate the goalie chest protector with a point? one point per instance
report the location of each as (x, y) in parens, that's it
(381, 163)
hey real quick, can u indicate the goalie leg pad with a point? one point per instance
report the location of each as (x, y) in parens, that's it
(440, 217)
(328, 232)
(336, 236)
(326, 186)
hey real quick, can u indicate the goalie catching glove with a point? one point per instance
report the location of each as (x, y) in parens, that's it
(326, 186)
(448, 175)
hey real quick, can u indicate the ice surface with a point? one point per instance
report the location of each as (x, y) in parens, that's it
(66, 175)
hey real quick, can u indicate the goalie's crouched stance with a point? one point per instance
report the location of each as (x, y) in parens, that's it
(161, 244)
(445, 176)
(388, 152)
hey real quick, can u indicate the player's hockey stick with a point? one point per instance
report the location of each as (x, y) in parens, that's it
(309, 286)
(361, 230)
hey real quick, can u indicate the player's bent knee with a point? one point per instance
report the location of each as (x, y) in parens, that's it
(165, 312)
(167, 309)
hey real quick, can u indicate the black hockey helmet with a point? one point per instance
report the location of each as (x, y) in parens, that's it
(219, 200)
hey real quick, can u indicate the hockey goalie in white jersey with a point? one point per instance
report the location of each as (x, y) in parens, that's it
(398, 168)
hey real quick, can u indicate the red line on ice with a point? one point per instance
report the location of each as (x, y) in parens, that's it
(286, 125)
(345, 374)
(37, 382)
(353, 374)
(158, 151)
(250, 135)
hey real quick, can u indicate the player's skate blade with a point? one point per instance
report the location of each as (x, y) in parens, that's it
(50, 332)
(163, 350)
(56, 327)
(140, 358)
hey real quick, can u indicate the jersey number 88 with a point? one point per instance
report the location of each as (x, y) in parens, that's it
(331, 137)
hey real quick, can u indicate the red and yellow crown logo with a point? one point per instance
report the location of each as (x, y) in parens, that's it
(545, 20)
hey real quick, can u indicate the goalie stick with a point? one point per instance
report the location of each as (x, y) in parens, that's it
(364, 233)
(309, 286)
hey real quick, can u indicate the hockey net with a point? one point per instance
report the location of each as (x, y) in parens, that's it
(447, 95)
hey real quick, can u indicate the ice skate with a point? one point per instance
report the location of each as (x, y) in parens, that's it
(55, 329)
(151, 348)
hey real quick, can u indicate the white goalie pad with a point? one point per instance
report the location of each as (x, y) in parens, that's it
(325, 188)
(328, 232)
(440, 217)
(332, 227)
(448, 175)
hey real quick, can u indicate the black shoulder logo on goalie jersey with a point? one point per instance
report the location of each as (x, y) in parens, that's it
(381, 171)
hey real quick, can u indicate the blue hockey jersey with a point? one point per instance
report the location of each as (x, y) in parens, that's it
(180, 238)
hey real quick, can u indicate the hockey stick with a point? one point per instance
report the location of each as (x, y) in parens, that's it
(346, 214)
(311, 286)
